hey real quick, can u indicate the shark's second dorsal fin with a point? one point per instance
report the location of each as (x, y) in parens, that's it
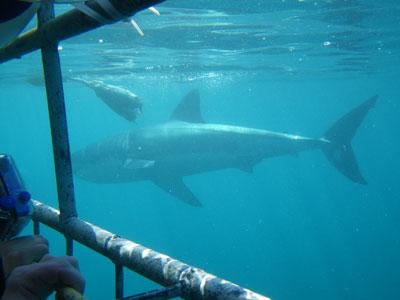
(188, 110)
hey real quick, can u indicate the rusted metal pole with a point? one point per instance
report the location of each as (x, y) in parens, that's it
(158, 267)
(70, 24)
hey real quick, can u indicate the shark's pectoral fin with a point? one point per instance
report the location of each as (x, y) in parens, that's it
(177, 188)
(246, 168)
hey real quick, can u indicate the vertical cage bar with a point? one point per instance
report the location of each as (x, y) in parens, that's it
(119, 282)
(36, 227)
(58, 119)
(69, 246)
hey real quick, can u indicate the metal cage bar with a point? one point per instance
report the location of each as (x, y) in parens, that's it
(158, 267)
(36, 227)
(58, 118)
(119, 281)
(67, 25)
(69, 246)
(162, 294)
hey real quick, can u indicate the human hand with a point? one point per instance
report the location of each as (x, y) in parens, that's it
(37, 281)
(22, 251)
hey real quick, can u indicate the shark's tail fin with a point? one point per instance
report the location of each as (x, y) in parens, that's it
(340, 152)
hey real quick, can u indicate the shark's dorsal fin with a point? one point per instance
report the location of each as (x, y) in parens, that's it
(188, 110)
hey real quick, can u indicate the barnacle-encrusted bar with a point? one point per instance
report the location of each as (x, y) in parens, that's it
(158, 267)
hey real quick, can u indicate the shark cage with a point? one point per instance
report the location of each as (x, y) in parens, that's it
(176, 278)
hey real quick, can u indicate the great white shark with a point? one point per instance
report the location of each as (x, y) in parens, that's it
(186, 145)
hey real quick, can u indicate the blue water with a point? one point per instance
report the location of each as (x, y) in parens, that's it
(295, 228)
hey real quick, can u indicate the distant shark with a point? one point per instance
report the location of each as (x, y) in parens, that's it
(186, 145)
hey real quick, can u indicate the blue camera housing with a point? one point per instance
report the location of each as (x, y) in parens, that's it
(13, 196)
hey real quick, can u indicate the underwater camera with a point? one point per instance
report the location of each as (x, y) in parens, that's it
(15, 201)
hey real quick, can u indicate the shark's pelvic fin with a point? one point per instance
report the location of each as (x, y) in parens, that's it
(177, 188)
(340, 152)
(247, 164)
(246, 168)
(188, 110)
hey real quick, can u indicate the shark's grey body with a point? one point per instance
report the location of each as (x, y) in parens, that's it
(186, 145)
